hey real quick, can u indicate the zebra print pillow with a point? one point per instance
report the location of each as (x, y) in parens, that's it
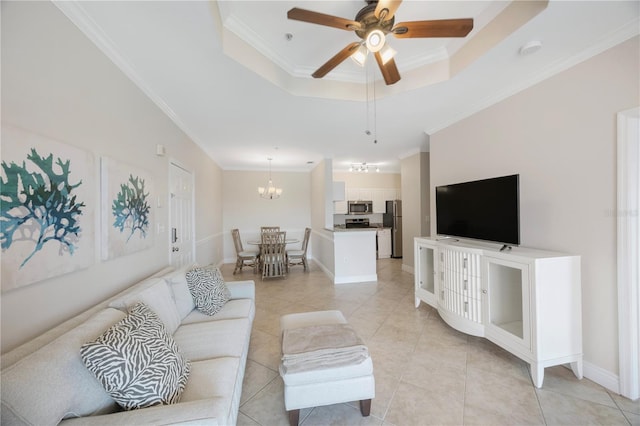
(137, 361)
(208, 289)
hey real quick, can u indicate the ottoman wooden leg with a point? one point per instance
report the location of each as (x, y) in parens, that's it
(365, 407)
(294, 417)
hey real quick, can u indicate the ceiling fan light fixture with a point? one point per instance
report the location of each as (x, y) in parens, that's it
(387, 53)
(360, 55)
(375, 40)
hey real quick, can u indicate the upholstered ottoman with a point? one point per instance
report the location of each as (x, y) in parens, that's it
(328, 373)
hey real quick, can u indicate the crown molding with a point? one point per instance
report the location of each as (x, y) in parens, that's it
(74, 11)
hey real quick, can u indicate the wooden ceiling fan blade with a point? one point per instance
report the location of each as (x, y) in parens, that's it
(390, 5)
(389, 70)
(336, 60)
(322, 19)
(437, 28)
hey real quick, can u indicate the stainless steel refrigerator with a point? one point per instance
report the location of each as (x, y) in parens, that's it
(393, 219)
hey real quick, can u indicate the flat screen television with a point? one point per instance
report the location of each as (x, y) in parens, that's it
(486, 209)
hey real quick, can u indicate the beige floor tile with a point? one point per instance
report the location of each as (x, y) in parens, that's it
(561, 409)
(267, 406)
(561, 380)
(244, 420)
(265, 349)
(256, 377)
(338, 414)
(413, 405)
(498, 399)
(386, 385)
(626, 404)
(633, 418)
(487, 356)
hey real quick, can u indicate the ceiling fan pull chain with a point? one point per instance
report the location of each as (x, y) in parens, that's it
(367, 131)
(375, 114)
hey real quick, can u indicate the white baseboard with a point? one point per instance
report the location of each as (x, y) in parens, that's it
(325, 270)
(356, 279)
(601, 376)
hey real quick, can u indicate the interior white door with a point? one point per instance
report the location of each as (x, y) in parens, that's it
(181, 228)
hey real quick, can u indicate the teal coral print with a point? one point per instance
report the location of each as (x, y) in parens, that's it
(131, 208)
(39, 206)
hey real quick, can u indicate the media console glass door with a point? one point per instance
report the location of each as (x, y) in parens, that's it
(507, 314)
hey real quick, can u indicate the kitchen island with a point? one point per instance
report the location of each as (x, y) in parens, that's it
(354, 255)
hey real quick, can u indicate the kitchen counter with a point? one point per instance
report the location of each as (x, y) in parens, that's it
(337, 228)
(372, 227)
(354, 255)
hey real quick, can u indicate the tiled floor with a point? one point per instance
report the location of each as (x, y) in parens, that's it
(426, 372)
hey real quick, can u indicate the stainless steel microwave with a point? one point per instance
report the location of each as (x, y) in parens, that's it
(360, 207)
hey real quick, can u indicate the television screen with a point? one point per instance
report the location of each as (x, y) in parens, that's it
(485, 209)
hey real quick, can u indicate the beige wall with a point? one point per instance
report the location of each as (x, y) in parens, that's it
(368, 180)
(246, 210)
(56, 83)
(322, 216)
(560, 136)
(415, 203)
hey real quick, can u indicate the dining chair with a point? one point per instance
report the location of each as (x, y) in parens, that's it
(264, 229)
(273, 255)
(243, 257)
(299, 257)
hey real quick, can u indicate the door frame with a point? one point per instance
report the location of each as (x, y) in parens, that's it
(628, 245)
(175, 163)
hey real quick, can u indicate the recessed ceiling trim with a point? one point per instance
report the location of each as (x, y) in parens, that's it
(632, 29)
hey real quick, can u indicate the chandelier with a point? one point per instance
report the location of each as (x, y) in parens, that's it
(270, 192)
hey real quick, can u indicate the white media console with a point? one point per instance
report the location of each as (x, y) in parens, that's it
(523, 300)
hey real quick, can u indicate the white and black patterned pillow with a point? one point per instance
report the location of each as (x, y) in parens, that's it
(218, 279)
(137, 361)
(208, 289)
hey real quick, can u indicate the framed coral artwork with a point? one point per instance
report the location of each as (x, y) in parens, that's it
(47, 208)
(127, 214)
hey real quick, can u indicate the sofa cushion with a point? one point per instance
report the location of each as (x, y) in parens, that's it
(52, 383)
(218, 381)
(177, 281)
(137, 361)
(158, 298)
(213, 339)
(208, 290)
(235, 308)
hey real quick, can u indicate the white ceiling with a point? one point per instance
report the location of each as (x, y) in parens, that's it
(227, 75)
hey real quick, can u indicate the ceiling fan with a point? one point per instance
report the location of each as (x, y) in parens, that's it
(372, 24)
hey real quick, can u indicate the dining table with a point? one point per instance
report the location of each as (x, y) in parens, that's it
(259, 244)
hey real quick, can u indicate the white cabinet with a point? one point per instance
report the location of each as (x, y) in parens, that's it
(339, 191)
(340, 207)
(390, 194)
(379, 202)
(379, 197)
(525, 301)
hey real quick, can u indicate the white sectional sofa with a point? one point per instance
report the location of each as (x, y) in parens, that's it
(45, 382)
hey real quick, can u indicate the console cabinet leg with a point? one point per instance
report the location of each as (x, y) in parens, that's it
(294, 417)
(365, 407)
(576, 367)
(417, 301)
(537, 374)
